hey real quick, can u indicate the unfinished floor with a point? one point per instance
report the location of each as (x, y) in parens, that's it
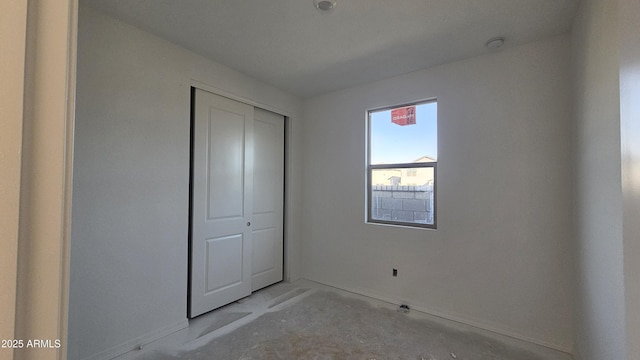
(306, 320)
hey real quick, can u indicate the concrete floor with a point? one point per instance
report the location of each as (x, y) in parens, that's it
(305, 320)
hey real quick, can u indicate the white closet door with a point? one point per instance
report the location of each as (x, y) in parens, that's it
(268, 198)
(222, 199)
(237, 201)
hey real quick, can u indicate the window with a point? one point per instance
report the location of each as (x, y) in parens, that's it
(401, 165)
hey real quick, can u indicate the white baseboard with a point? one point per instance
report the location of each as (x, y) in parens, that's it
(563, 351)
(133, 344)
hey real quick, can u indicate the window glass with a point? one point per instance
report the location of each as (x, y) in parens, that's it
(403, 152)
(396, 144)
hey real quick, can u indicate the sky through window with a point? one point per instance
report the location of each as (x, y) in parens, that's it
(394, 144)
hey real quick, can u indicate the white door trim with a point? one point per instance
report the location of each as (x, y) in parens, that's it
(221, 92)
(43, 235)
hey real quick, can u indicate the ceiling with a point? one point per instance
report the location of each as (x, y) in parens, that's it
(297, 48)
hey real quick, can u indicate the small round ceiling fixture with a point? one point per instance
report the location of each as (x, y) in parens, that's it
(495, 43)
(324, 5)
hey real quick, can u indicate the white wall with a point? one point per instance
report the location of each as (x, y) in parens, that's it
(502, 255)
(599, 248)
(131, 182)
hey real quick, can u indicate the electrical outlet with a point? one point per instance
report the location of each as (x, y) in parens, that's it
(395, 272)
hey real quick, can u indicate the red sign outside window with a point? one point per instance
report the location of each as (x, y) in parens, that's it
(404, 116)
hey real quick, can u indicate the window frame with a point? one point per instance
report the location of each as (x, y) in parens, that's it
(370, 168)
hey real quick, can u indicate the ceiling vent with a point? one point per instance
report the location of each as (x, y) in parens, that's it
(495, 43)
(324, 5)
